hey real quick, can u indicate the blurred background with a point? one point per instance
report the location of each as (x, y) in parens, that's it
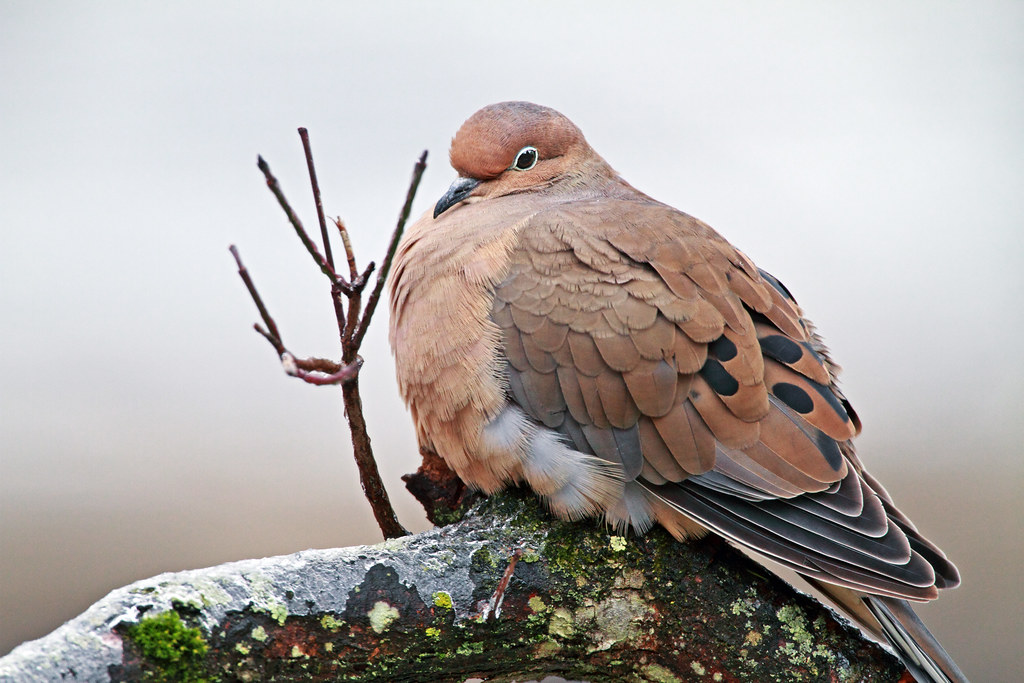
(869, 154)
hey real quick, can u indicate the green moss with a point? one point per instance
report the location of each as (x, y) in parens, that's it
(521, 507)
(570, 551)
(443, 515)
(483, 559)
(173, 651)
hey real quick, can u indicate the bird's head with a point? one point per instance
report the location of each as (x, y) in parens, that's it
(512, 147)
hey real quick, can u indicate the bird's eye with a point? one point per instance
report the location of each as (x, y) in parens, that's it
(526, 159)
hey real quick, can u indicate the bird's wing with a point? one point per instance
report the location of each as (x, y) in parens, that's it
(641, 336)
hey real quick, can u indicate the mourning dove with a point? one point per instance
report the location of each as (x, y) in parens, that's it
(555, 326)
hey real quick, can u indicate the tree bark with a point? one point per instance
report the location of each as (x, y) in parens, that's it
(582, 603)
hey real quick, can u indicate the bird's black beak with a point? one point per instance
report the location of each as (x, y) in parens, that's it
(459, 190)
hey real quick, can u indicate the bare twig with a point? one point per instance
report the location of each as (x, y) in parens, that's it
(492, 609)
(301, 368)
(273, 336)
(348, 349)
(274, 341)
(337, 288)
(382, 275)
(318, 371)
(369, 475)
(304, 135)
(365, 277)
(323, 365)
(353, 271)
(351, 327)
(275, 187)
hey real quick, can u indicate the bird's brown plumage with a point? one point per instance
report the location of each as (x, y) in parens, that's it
(557, 326)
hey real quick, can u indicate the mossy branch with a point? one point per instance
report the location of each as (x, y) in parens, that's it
(580, 603)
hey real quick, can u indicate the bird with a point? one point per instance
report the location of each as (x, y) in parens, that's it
(553, 326)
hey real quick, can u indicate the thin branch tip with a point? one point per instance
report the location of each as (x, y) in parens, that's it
(317, 200)
(382, 274)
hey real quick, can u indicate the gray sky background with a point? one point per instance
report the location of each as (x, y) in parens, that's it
(869, 154)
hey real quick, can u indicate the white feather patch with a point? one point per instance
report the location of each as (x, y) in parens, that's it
(506, 433)
(573, 484)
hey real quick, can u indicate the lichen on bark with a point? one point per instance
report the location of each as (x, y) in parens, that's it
(583, 603)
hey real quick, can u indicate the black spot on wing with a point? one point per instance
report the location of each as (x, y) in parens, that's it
(814, 354)
(852, 413)
(721, 381)
(832, 400)
(830, 449)
(782, 349)
(793, 396)
(722, 348)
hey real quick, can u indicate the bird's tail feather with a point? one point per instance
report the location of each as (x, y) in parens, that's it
(895, 621)
(917, 647)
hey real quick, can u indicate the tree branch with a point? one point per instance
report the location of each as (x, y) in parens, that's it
(271, 334)
(352, 326)
(304, 136)
(275, 188)
(317, 371)
(382, 275)
(581, 603)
